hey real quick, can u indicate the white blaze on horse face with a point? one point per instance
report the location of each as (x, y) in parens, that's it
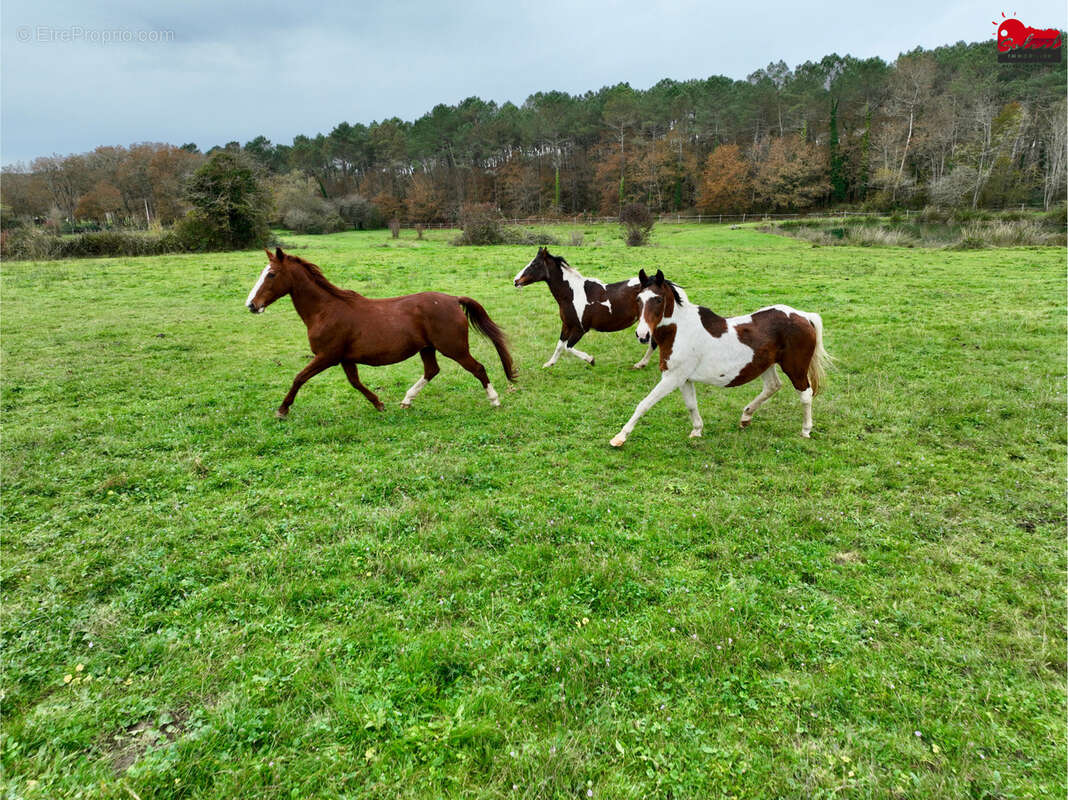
(643, 330)
(519, 274)
(256, 288)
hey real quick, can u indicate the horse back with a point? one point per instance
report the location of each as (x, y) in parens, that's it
(391, 329)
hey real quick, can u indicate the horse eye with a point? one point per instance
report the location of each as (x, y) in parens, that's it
(270, 274)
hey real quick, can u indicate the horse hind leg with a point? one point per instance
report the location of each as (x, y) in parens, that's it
(806, 404)
(468, 362)
(689, 397)
(772, 384)
(430, 369)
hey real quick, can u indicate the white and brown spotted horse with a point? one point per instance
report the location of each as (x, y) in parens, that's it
(586, 304)
(699, 345)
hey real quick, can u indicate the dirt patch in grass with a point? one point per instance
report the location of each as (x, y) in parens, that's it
(127, 746)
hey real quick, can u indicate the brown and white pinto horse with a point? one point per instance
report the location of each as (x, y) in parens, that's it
(698, 345)
(586, 304)
(348, 329)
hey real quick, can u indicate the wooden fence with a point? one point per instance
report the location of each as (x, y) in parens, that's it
(676, 219)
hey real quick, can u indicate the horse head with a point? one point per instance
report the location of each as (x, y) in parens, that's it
(657, 301)
(275, 281)
(537, 269)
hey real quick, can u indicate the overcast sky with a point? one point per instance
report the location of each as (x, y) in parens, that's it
(210, 72)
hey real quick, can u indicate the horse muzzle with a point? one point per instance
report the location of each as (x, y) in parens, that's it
(253, 309)
(642, 339)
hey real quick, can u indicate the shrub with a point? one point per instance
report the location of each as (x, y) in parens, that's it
(955, 189)
(28, 244)
(482, 225)
(230, 204)
(637, 221)
(1057, 217)
(311, 214)
(35, 244)
(359, 212)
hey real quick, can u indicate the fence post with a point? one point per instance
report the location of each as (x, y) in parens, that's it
(743, 216)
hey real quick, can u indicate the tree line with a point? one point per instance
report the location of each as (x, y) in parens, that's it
(948, 127)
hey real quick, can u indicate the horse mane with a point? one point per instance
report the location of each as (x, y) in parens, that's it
(680, 294)
(562, 263)
(320, 279)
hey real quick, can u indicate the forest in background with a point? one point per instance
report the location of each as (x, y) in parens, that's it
(948, 127)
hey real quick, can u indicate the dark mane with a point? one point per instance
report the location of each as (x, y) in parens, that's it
(675, 292)
(319, 278)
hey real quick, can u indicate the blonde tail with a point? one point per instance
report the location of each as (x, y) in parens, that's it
(821, 359)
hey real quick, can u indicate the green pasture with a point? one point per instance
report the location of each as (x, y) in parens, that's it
(202, 601)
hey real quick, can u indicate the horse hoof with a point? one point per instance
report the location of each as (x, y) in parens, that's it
(806, 435)
(280, 414)
(591, 362)
(546, 365)
(744, 423)
(405, 405)
(380, 406)
(618, 441)
(695, 434)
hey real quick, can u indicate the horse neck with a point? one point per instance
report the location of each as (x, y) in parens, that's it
(558, 283)
(307, 295)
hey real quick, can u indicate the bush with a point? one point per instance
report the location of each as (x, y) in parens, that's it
(1057, 217)
(482, 224)
(311, 214)
(955, 189)
(637, 221)
(35, 244)
(359, 212)
(230, 204)
(28, 244)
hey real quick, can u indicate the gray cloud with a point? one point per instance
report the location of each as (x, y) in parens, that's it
(238, 70)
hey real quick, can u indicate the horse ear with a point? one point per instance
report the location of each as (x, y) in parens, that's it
(279, 254)
(268, 252)
(659, 279)
(643, 279)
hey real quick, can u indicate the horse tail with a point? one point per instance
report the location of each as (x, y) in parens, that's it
(821, 359)
(482, 323)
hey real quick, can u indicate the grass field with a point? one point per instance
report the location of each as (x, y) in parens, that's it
(201, 601)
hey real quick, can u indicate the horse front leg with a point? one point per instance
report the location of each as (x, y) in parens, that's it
(354, 378)
(668, 384)
(648, 354)
(317, 365)
(560, 345)
(572, 340)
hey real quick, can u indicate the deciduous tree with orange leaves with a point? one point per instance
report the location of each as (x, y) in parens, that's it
(725, 187)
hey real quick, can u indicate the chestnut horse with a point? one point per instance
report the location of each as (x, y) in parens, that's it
(347, 328)
(586, 304)
(699, 345)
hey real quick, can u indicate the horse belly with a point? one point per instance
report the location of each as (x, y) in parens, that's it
(725, 361)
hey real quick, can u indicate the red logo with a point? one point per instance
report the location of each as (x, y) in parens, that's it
(1014, 36)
